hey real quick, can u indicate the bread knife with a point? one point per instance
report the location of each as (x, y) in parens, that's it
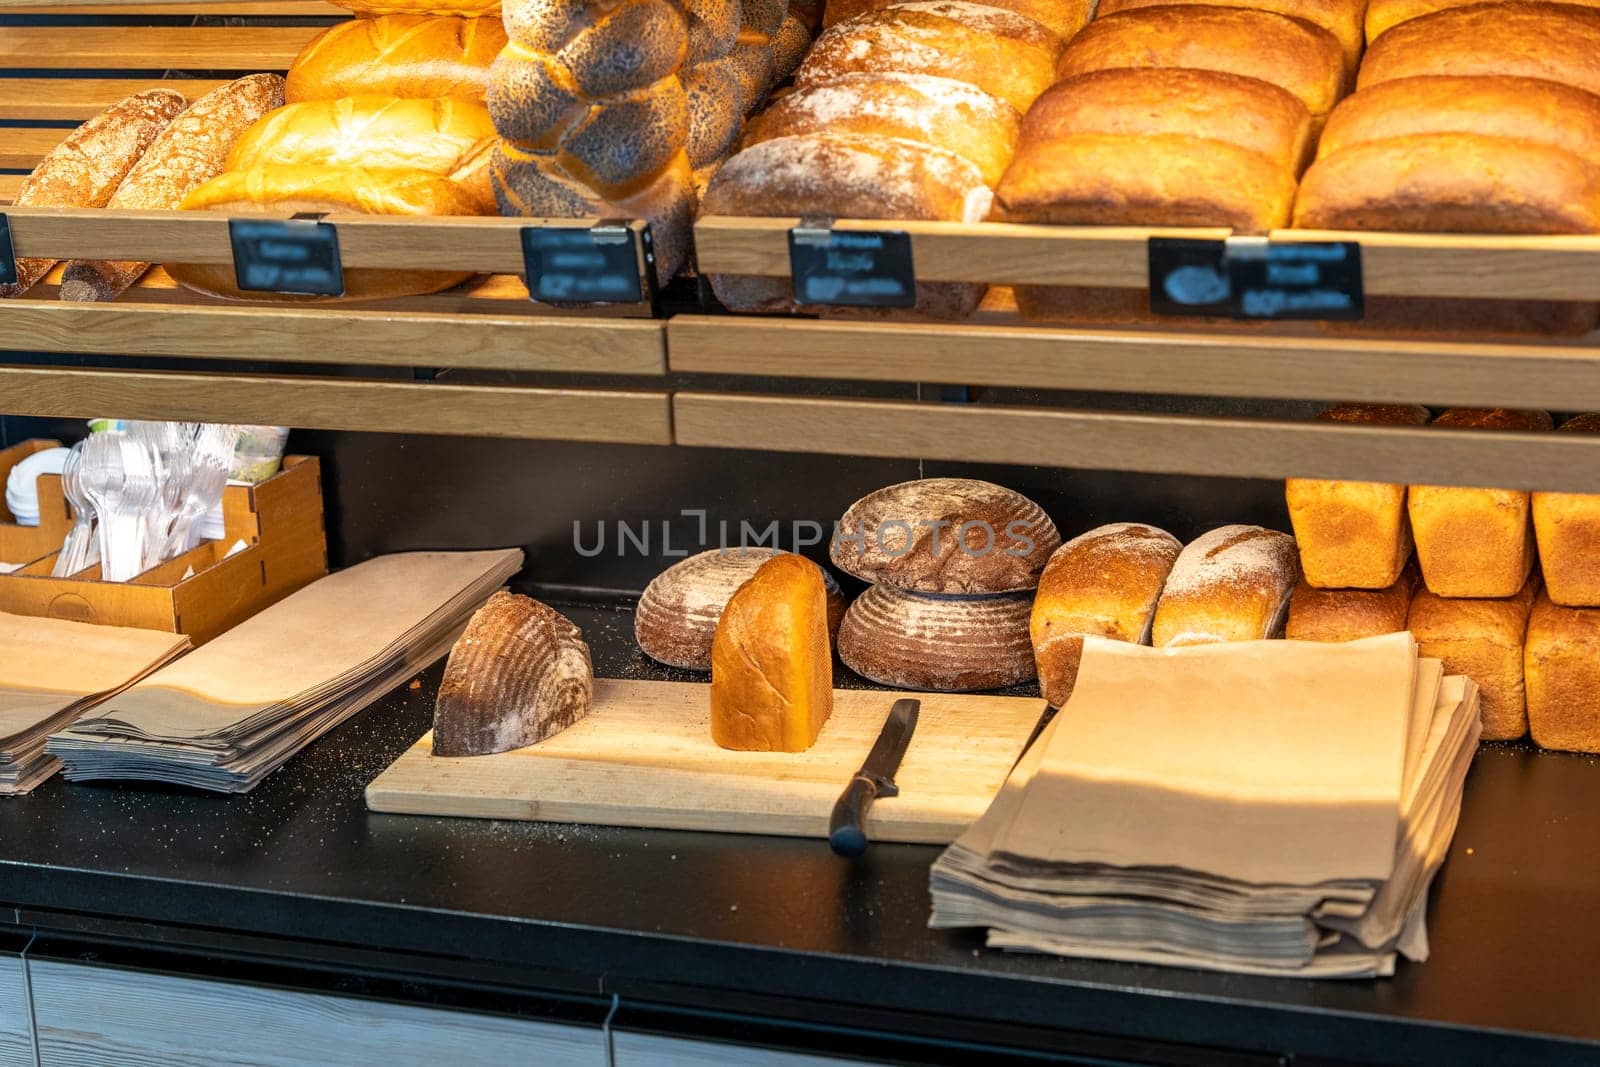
(847, 828)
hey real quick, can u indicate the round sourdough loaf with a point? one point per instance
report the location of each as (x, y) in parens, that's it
(949, 644)
(677, 616)
(946, 535)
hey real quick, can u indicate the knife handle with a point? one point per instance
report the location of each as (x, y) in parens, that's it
(847, 828)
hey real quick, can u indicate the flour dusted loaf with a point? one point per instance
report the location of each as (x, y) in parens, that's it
(85, 169)
(1350, 614)
(1475, 542)
(1231, 584)
(1104, 583)
(945, 535)
(1561, 670)
(1353, 534)
(1523, 38)
(1341, 18)
(192, 149)
(520, 673)
(771, 664)
(1063, 19)
(677, 615)
(942, 643)
(1482, 639)
(398, 55)
(1566, 528)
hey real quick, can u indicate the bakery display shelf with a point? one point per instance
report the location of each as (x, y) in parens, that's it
(68, 100)
(274, 8)
(1472, 266)
(246, 49)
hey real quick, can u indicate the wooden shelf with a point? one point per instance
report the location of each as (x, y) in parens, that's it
(629, 417)
(276, 8)
(238, 48)
(77, 99)
(1156, 444)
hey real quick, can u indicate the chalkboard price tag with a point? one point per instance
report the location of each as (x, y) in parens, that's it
(297, 256)
(858, 268)
(591, 265)
(8, 255)
(1189, 277)
(1296, 279)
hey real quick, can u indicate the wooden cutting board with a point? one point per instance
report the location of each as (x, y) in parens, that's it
(644, 757)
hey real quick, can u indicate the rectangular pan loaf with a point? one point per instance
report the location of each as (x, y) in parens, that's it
(1523, 38)
(1349, 614)
(1567, 529)
(1482, 639)
(1561, 668)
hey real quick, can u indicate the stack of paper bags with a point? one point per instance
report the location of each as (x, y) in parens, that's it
(234, 710)
(51, 671)
(1270, 807)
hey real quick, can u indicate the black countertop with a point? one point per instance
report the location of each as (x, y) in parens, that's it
(779, 928)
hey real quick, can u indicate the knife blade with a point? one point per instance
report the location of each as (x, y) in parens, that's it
(847, 828)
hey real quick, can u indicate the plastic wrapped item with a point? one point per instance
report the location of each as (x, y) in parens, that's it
(259, 453)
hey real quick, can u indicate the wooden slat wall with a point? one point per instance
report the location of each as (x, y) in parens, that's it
(9, 184)
(21, 149)
(76, 99)
(276, 8)
(241, 48)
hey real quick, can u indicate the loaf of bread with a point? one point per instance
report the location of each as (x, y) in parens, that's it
(1063, 19)
(1104, 583)
(1523, 38)
(938, 112)
(520, 673)
(1342, 18)
(1483, 640)
(85, 169)
(1385, 15)
(1350, 614)
(771, 664)
(1231, 584)
(1561, 669)
(191, 150)
(943, 643)
(945, 535)
(1288, 52)
(398, 55)
(1475, 542)
(677, 615)
(1008, 56)
(1566, 528)
(1353, 535)
(459, 8)
(282, 191)
(448, 138)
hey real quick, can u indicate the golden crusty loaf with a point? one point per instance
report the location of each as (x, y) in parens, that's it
(1292, 53)
(398, 55)
(1104, 583)
(519, 673)
(677, 615)
(1561, 671)
(1522, 109)
(1566, 527)
(282, 191)
(450, 138)
(1385, 15)
(1475, 542)
(85, 169)
(1353, 535)
(1482, 639)
(192, 149)
(1062, 19)
(1231, 584)
(1342, 18)
(948, 644)
(938, 112)
(1350, 614)
(771, 664)
(1557, 42)
(945, 535)
(1006, 55)
(1451, 183)
(847, 176)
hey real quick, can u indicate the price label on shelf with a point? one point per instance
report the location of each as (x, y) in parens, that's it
(598, 264)
(1254, 278)
(299, 256)
(854, 268)
(8, 255)
(1189, 277)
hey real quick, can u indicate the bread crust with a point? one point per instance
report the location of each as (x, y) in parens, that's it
(1482, 639)
(398, 55)
(1350, 614)
(945, 644)
(1342, 18)
(1230, 584)
(1523, 38)
(1063, 19)
(1561, 667)
(1385, 15)
(1567, 530)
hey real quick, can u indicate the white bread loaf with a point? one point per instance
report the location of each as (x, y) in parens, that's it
(1483, 639)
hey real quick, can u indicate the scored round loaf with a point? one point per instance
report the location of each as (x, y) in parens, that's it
(1231, 584)
(677, 616)
(1301, 57)
(1567, 529)
(1342, 18)
(849, 177)
(1385, 15)
(1006, 55)
(939, 112)
(1103, 583)
(945, 535)
(398, 55)
(947, 644)
(1061, 18)
(1556, 42)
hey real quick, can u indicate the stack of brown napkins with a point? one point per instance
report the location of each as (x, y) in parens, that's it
(1269, 807)
(52, 671)
(234, 710)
